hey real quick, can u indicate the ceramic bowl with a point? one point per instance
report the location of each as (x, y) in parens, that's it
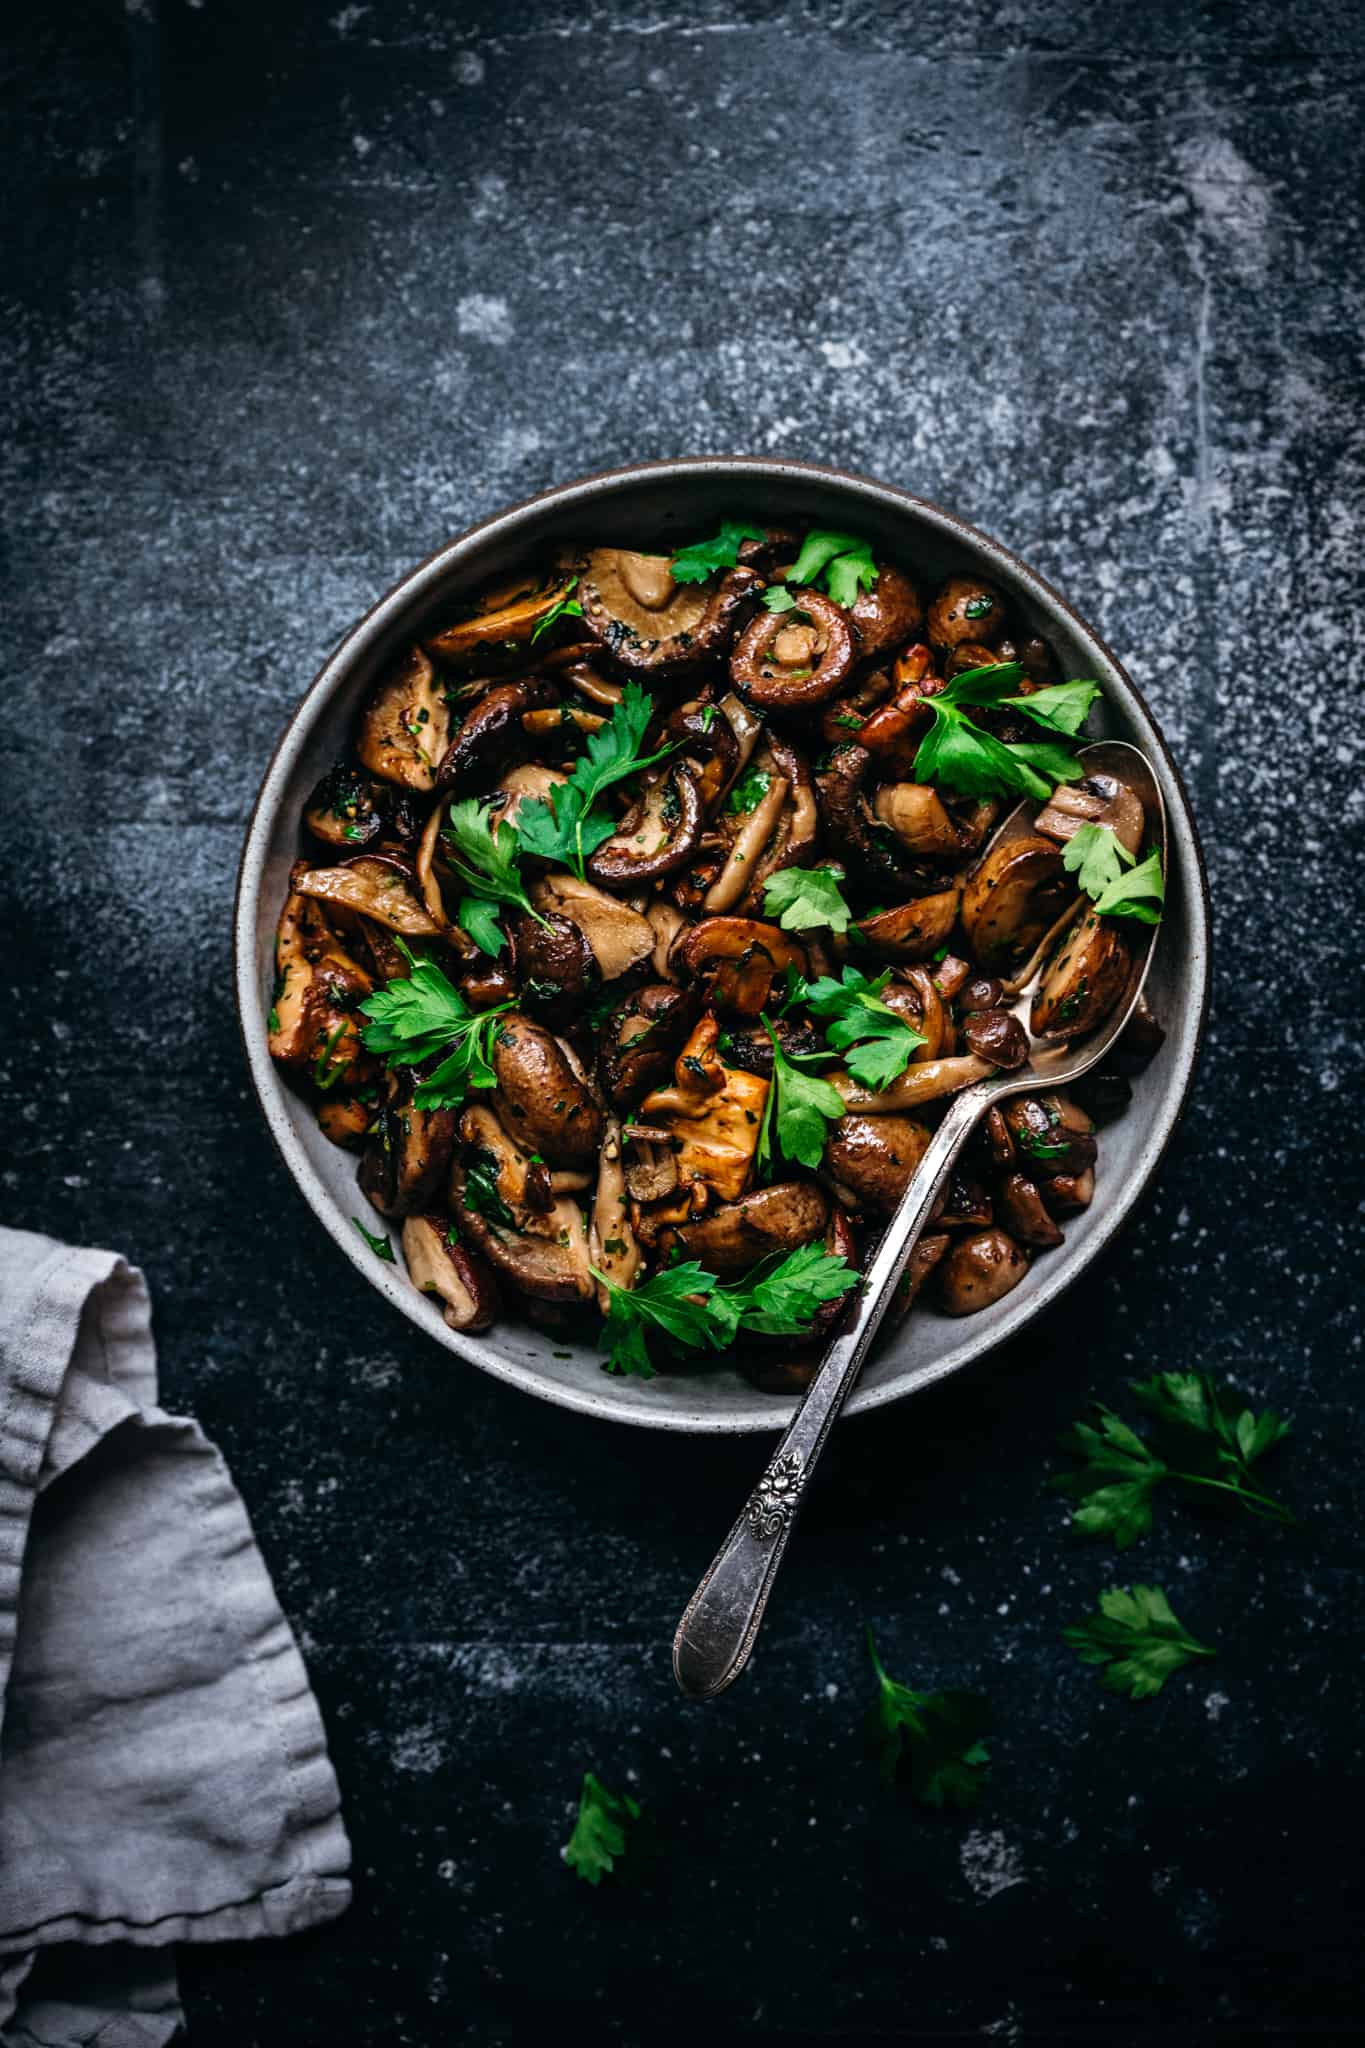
(666, 503)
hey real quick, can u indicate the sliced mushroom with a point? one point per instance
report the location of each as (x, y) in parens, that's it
(964, 1204)
(1012, 899)
(345, 810)
(753, 1049)
(345, 1120)
(710, 742)
(438, 1264)
(620, 938)
(863, 843)
(556, 973)
(407, 1152)
(1083, 982)
(875, 1156)
(978, 1270)
(1098, 800)
(1050, 1135)
(491, 737)
(736, 1235)
(915, 812)
(589, 683)
(997, 1036)
(949, 975)
(796, 833)
(914, 931)
(314, 1025)
(639, 1041)
(921, 1082)
(504, 622)
(545, 1254)
(658, 834)
(887, 615)
(714, 1113)
(741, 957)
(527, 783)
(1022, 1210)
(774, 672)
(682, 627)
(540, 1097)
(405, 727)
(667, 924)
(924, 1260)
(651, 1167)
(1066, 1194)
(378, 885)
(916, 997)
(611, 1239)
(966, 608)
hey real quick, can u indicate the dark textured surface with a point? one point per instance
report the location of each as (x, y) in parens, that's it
(295, 293)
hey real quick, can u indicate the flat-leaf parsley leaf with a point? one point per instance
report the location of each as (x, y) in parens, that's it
(807, 899)
(704, 558)
(1137, 1639)
(935, 1740)
(599, 1833)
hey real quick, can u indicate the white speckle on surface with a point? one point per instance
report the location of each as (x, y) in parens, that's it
(484, 317)
(990, 1864)
(843, 355)
(418, 1750)
(347, 19)
(1230, 198)
(1214, 1705)
(468, 68)
(361, 144)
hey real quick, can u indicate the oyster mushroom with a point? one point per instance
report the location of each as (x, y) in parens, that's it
(887, 615)
(736, 1235)
(741, 957)
(914, 931)
(658, 834)
(788, 661)
(966, 608)
(652, 627)
(314, 1025)
(491, 737)
(503, 622)
(405, 726)
(611, 1239)
(978, 1270)
(875, 1157)
(407, 1151)
(546, 1254)
(450, 1271)
(1097, 800)
(541, 1095)
(713, 1112)
(620, 937)
(381, 886)
(1084, 980)
(1012, 899)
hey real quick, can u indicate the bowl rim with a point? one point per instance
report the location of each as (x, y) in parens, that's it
(356, 641)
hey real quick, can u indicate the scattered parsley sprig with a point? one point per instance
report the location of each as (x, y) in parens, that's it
(842, 562)
(1204, 1441)
(422, 1014)
(1120, 885)
(702, 559)
(567, 608)
(486, 857)
(1137, 1639)
(599, 1832)
(934, 1740)
(380, 1246)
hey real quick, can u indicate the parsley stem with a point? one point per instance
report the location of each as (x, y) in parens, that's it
(1269, 1510)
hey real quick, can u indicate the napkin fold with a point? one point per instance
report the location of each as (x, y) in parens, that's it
(164, 1773)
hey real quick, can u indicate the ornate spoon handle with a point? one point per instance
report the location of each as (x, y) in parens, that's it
(717, 1632)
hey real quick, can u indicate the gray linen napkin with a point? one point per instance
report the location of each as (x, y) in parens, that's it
(163, 1769)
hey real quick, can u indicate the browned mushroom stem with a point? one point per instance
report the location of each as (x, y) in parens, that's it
(1097, 800)
(1022, 1212)
(887, 615)
(407, 1152)
(658, 834)
(741, 956)
(639, 1041)
(405, 726)
(345, 810)
(843, 718)
(1084, 980)
(556, 973)
(916, 997)
(742, 857)
(653, 628)
(491, 737)
(818, 667)
(978, 1270)
(736, 1235)
(796, 834)
(379, 885)
(503, 621)
(924, 1081)
(875, 1157)
(439, 1265)
(966, 608)
(541, 1097)
(1012, 899)
(1066, 1194)
(545, 1254)
(868, 850)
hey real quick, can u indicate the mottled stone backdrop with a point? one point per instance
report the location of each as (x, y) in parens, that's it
(292, 294)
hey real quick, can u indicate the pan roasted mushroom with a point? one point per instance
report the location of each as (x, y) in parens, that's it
(651, 919)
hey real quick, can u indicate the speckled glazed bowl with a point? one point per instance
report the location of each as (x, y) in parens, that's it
(669, 502)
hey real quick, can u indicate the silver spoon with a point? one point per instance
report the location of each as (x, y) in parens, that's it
(718, 1629)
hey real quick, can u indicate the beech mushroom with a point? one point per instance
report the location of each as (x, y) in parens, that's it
(611, 1240)
(658, 834)
(651, 626)
(1050, 1135)
(1084, 980)
(997, 1036)
(979, 1270)
(921, 1082)
(788, 661)
(405, 726)
(438, 1264)
(1012, 899)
